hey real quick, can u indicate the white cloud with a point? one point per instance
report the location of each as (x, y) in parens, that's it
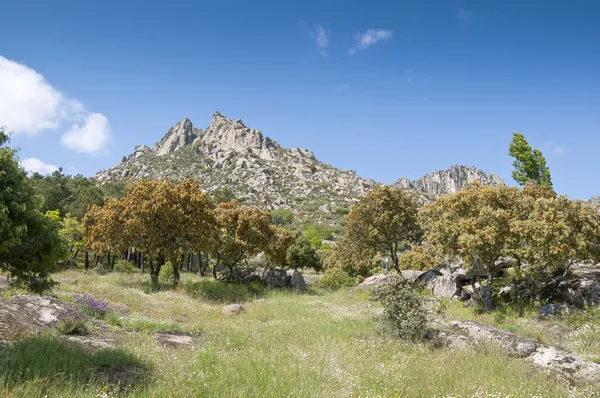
(341, 87)
(34, 165)
(319, 34)
(369, 38)
(30, 105)
(321, 37)
(464, 15)
(90, 137)
(554, 148)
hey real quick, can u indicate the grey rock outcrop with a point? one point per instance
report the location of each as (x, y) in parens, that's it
(448, 181)
(373, 281)
(178, 136)
(275, 277)
(233, 309)
(565, 364)
(26, 313)
(295, 280)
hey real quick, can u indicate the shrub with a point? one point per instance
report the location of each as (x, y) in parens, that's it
(337, 278)
(125, 267)
(282, 217)
(112, 318)
(91, 307)
(342, 211)
(70, 322)
(166, 273)
(402, 310)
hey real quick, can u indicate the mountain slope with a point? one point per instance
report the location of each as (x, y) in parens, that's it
(261, 172)
(257, 169)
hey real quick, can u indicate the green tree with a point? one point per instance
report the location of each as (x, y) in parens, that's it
(222, 195)
(282, 217)
(301, 254)
(529, 164)
(353, 258)
(29, 241)
(385, 221)
(473, 224)
(243, 232)
(71, 232)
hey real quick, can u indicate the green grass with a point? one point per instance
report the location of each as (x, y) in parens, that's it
(48, 363)
(285, 345)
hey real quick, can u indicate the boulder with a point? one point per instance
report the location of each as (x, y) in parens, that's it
(275, 277)
(555, 309)
(232, 309)
(581, 291)
(25, 313)
(295, 280)
(444, 281)
(508, 293)
(373, 280)
(411, 275)
(175, 340)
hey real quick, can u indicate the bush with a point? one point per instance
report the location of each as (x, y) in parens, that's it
(342, 211)
(166, 273)
(337, 278)
(125, 267)
(402, 310)
(91, 307)
(70, 322)
(282, 217)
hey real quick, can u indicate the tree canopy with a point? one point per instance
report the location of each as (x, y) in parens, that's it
(29, 241)
(385, 221)
(529, 164)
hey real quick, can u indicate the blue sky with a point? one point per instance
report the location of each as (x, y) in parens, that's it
(388, 89)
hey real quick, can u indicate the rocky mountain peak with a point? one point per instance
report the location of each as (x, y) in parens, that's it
(178, 136)
(225, 134)
(450, 180)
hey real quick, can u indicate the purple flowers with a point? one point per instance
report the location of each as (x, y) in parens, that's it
(87, 304)
(71, 321)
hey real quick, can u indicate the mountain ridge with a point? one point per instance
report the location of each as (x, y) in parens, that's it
(258, 170)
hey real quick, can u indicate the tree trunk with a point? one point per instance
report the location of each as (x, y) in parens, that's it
(108, 258)
(155, 270)
(176, 275)
(112, 264)
(489, 291)
(140, 260)
(128, 258)
(202, 265)
(215, 267)
(394, 256)
(87, 260)
(181, 263)
(190, 262)
(75, 255)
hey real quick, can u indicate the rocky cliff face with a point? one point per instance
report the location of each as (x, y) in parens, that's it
(178, 136)
(448, 181)
(257, 169)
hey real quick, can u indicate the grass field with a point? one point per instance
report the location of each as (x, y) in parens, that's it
(285, 345)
